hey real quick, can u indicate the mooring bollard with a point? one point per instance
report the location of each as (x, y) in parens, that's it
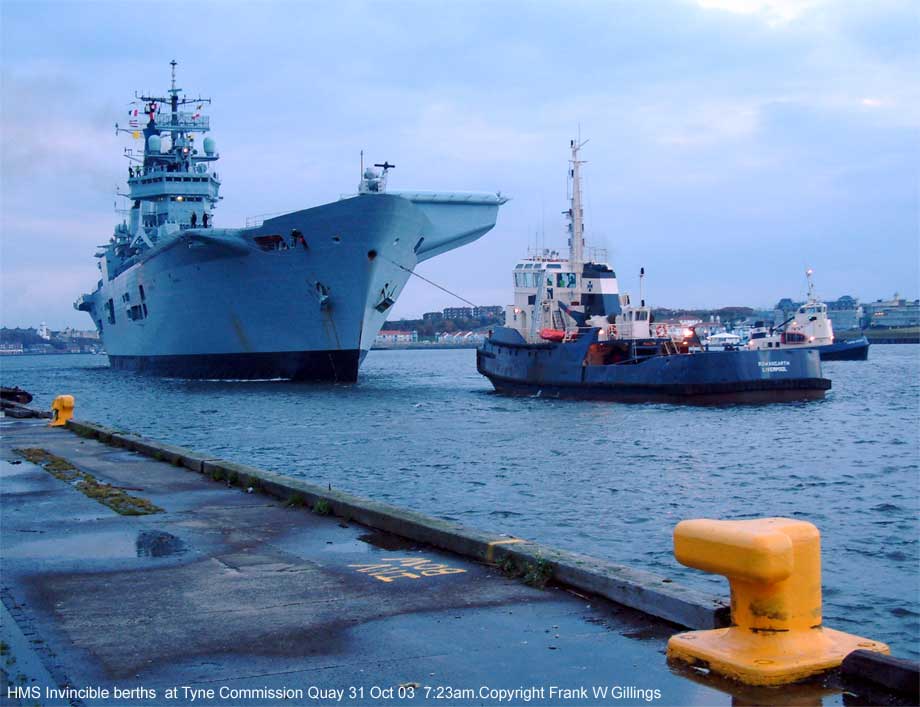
(61, 410)
(773, 566)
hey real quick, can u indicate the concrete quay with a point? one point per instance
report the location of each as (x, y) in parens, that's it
(224, 590)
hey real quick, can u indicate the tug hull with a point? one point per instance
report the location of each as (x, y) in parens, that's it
(563, 370)
(851, 350)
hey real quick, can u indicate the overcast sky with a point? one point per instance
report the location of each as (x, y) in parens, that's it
(732, 142)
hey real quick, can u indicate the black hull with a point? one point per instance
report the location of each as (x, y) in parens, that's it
(336, 366)
(845, 351)
(711, 394)
(15, 395)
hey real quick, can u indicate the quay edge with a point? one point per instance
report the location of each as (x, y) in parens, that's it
(636, 589)
(877, 679)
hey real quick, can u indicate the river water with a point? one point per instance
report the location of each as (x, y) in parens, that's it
(422, 429)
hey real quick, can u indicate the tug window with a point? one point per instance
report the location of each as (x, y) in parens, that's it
(565, 280)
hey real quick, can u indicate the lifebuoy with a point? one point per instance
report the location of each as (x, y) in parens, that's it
(659, 330)
(612, 330)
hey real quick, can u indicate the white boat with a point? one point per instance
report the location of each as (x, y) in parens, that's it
(724, 341)
(808, 328)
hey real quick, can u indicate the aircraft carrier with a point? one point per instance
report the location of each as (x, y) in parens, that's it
(297, 296)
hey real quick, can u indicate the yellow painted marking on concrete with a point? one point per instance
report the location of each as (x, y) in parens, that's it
(773, 566)
(393, 568)
(506, 541)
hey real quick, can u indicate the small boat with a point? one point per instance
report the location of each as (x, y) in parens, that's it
(15, 394)
(570, 333)
(723, 341)
(808, 328)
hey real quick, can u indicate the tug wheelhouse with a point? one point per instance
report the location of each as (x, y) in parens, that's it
(556, 295)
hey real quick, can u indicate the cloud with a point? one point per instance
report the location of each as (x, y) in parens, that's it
(45, 129)
(736, 135)
(773, 12)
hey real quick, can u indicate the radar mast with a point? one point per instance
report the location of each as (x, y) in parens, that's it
(575, 213)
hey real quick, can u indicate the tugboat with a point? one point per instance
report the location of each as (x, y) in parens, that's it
(299, 295)
(809, 328)
(571, 334)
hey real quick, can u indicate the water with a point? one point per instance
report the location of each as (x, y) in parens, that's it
(422, 429)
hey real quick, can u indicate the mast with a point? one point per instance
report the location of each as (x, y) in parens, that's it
(174, 99)
(811, 284)
(576, 210)
(179, 124)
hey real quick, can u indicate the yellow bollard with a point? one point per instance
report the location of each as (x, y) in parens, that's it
(62, 410)
(773, 566)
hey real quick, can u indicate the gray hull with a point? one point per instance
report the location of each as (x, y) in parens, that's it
(221, 304)
(561, 370)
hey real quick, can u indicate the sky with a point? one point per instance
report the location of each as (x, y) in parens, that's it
(732, 143)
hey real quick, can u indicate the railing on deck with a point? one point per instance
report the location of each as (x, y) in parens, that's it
(259, 219)
(184, 122)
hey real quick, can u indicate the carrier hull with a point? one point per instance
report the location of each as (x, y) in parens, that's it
(227, 304)
(562, 370)
(330, 365)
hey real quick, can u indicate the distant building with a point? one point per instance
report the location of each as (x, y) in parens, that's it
(396, 336)
(895, 313)
(495, 310)
(845, 313)
(432, 316)
(44, 332)
(70, 334)
(458, 313)
(784, 310)
(10, 349)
